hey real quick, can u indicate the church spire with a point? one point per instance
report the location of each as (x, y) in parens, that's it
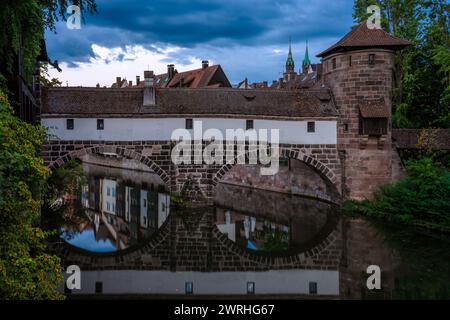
(290, 65)
(306, 60)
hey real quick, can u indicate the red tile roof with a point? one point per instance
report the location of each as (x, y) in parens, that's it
(199, 78)
(363, 37)
(209, 77)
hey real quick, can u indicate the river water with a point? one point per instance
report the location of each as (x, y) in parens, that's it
(122, 225)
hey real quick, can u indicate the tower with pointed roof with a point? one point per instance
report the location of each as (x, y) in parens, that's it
(359, 71)
(306, 64)
(289, 73)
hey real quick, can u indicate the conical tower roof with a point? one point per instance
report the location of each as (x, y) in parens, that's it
(362, 37)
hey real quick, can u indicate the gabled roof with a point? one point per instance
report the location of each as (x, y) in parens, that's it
(200, 78)
(363, 37)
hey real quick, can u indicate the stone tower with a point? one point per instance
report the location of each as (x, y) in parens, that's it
(359, 69)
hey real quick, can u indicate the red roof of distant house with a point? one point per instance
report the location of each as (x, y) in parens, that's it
(212, 76)
(363, 37)
(208, 77)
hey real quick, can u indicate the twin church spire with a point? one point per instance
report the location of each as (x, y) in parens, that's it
(290, 64)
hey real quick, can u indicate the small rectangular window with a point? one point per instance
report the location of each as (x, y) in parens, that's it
(371, 59)
(100, 124)
(249, 124)
(311, 126)
(313, 288)
(349, 61)
(345, 127)
(250, 288)
(189, 124)
(98, 287)
(334, 63)
(189, 287)
(69, 124)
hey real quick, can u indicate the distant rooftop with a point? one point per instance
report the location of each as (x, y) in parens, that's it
(206, 76)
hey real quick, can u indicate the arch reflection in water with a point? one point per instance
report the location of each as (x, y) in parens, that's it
(116, 208)
(270, 221)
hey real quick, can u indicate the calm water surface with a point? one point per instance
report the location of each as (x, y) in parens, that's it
(117, 209)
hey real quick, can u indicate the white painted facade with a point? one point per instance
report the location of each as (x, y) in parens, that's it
(163, 208)
(136, 129)
(209, 283)
(144, 208)
(109, 196)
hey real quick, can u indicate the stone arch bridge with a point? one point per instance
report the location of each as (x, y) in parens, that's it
(321, 158)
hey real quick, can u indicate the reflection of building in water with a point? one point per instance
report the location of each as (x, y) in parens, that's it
(123, 211)
(249, 231)
(163, 208)
(108, 195)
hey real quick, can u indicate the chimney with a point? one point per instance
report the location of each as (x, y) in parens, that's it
(170, 71)
(138, 80)
(149, 89)
(205, 64)
(130, 83)
(118, 81)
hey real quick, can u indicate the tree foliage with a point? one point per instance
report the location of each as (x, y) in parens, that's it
(421, 198)
(422, 96)
(23, 24)
(27, 271)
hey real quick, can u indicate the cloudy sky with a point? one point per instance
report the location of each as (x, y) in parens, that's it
(249, 38)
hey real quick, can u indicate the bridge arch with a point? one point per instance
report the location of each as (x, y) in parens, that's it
(127, 153)
(328, 174)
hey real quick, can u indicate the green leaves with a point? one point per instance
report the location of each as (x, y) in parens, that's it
(422, 96)
(421, 198)
(26, 270)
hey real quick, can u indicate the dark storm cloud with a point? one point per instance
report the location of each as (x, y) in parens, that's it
(188, 23)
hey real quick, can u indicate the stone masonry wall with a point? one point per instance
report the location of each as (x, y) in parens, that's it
(323, 159)
(368, 160)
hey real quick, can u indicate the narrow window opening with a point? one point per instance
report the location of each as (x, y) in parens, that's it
(100, 124)
(189, 124)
